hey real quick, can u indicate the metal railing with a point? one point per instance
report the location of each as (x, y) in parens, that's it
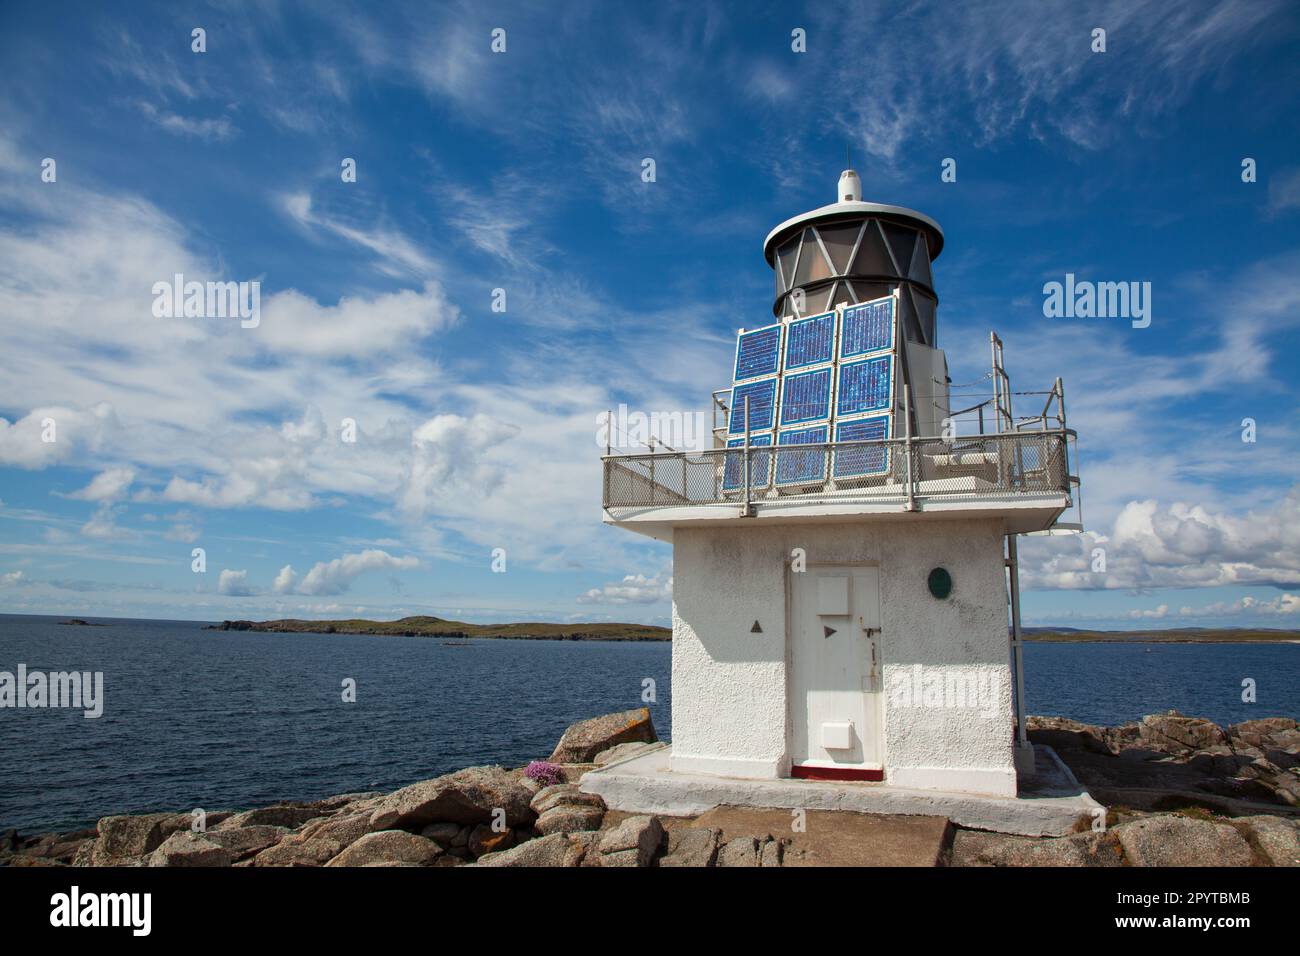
(906, 470)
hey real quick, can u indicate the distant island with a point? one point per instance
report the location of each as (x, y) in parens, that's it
(1189, 635)
(460, 630)
(438, 627)
(78, 622)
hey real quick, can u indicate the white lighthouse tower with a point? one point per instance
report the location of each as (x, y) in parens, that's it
(844, 557)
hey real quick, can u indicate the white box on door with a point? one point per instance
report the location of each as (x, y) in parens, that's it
(837, 735)
(832, 596)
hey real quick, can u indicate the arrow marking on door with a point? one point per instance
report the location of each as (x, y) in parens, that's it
(829, 630)
(756, 629)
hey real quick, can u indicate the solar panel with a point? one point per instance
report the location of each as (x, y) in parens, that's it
(865, 386)
(810, 341)
(806, 397)
(760, 463)
(758, 353)
(762, 404)
(865, 460)
(802, 467)
(867, 328)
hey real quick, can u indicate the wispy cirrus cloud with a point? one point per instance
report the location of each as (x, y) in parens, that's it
(1020, 66)
(214, 129)
(395, 254)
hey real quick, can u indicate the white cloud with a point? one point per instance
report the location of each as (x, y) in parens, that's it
(234, 583)
(73, 430)
(108, 485)
(284, 580)
(1024, 65)
(293, 323)
(335, 577)
(396, 255)
(1283, 604)
(103, 524)
(214, 129)
(1155, 613)
(633, 589)
(12, 579)
(450, 455)
(183, 531)
(1178, 546)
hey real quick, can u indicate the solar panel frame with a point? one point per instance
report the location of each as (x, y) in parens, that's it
(815, 409)
(751, 370)
(881, 398)
(762, 414)
(760, 464)
(877, 337)
(795, 468)
(823, 328)
(862, 462)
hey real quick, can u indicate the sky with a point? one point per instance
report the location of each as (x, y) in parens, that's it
(471, 489)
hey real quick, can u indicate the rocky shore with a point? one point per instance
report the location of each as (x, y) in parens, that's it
(1179, 791)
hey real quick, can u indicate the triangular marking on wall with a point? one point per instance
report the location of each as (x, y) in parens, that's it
(755, 629)
(829, 630)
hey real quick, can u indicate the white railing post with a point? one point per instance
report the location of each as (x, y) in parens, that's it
(609, 434)
(907, 444)
(745, 475)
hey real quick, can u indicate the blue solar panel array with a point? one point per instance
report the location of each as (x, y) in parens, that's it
(802, 467)
(810, 341)
(759, 464)
(762, 406)
(758, 353)
(867, 460)
(867, 328)
(806, 397)
(865, 386)
(806, 380)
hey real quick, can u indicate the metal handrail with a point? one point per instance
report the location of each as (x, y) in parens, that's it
(966, 466)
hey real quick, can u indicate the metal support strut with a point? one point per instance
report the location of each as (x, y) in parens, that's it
(1013, 576)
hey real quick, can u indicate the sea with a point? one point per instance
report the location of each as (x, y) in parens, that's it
(194, 717)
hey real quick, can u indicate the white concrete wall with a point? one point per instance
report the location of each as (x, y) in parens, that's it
(729, 686)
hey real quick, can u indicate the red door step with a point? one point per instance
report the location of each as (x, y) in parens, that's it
(836, 773)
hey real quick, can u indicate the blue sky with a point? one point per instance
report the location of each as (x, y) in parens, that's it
(521, 170)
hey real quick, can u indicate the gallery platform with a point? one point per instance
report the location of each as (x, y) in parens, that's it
(1051, 804)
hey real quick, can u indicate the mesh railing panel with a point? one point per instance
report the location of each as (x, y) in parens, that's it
(978, 466)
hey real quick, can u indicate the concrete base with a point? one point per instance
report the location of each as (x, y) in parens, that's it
(829, 838)
(1051, 804)
(1026, 764)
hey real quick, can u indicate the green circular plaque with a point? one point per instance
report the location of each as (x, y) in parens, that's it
(940, 582)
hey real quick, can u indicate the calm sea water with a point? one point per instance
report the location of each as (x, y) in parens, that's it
(228, 719)
(224, 719)
(1113, 683)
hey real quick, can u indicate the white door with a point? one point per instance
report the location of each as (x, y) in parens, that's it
(835, 670)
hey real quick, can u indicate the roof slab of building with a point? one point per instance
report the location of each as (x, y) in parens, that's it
(1023, 514)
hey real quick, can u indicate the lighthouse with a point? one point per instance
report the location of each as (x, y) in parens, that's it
(845, 580)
